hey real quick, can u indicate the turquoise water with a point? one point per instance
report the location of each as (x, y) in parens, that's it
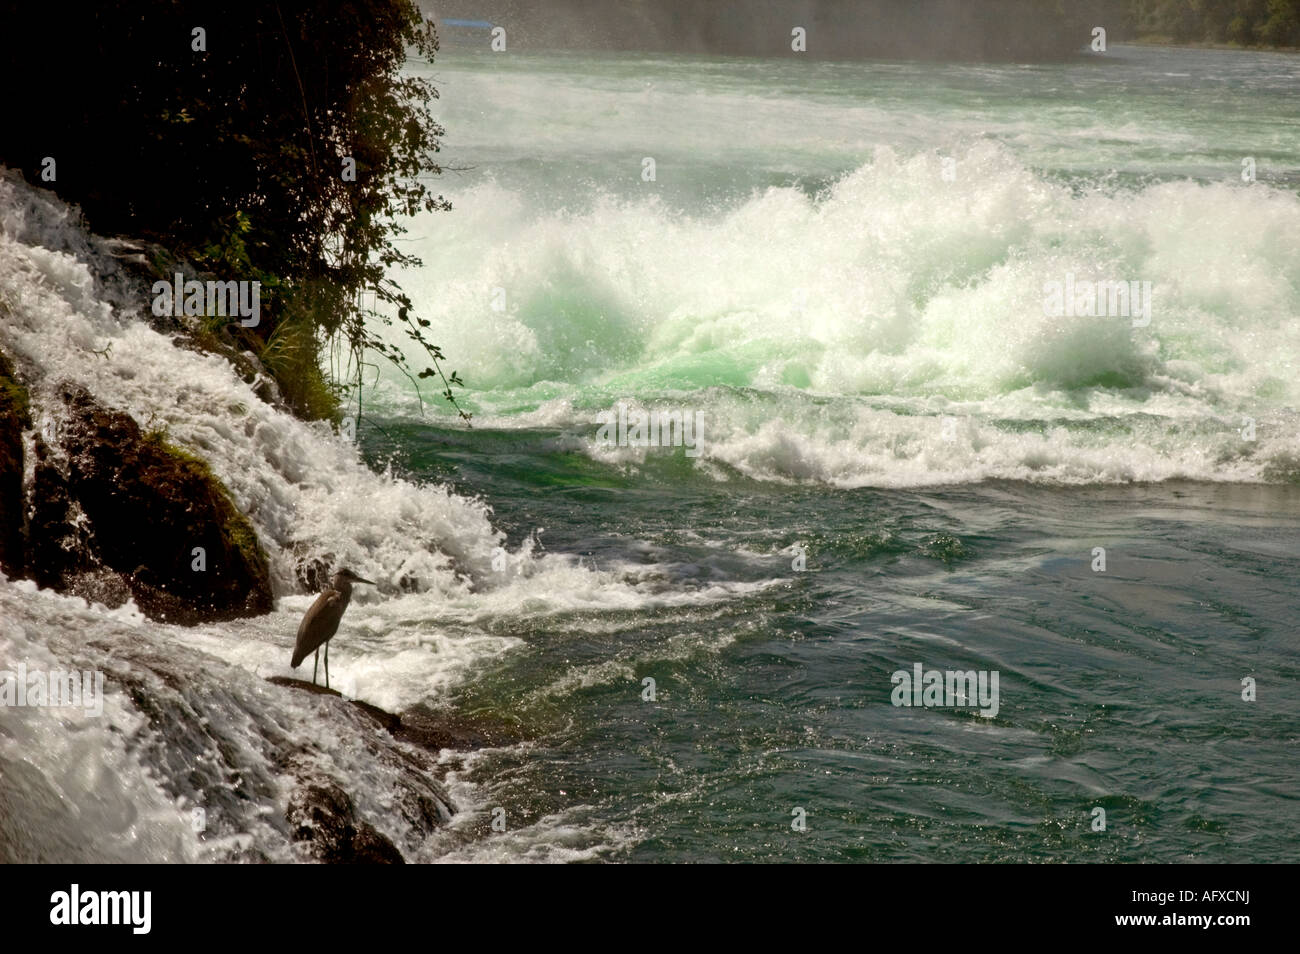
(1119, 690)
(841, 268)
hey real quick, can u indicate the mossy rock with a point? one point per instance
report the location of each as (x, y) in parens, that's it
(14, 417)
(149, 506)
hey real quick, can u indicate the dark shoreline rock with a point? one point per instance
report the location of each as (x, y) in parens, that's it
(435, 731)
(419, 725)
(14, 419)
(323, 814)
(320, 811)
(122, 513)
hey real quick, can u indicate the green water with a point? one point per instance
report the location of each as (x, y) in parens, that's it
(859, 322)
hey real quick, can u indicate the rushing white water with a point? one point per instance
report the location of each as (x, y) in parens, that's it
(121, 783)
(189, 720)
(300, 485)
(842, 266)
(801, 272)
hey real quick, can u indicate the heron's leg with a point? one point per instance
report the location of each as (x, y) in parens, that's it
(327, 664)
(313, 667)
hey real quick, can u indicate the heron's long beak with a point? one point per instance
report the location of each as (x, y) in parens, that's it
(357, 579)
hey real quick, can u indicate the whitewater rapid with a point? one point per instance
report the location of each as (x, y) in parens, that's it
(891, 330)
(803, 274)
(189, 718)
(842, 267)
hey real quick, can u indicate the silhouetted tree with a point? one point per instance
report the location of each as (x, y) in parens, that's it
(223, 130)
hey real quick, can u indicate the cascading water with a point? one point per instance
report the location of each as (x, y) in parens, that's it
(189, 721)
(904, 457)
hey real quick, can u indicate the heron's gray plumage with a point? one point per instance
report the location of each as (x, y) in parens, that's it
(321, 621)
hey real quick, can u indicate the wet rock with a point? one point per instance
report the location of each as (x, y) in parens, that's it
(421, 803)
(101, 586)
(13, 419)
(323, 815)
(149, 506)
(57, 531)
(421, 726)
(313, 569)
(314, 688)
(434, 730)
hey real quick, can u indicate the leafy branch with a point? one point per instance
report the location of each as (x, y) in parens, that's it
(362, 338)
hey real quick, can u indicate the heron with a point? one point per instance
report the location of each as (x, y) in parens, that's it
(321, 622)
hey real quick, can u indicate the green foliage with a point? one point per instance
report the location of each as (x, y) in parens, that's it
(1283, 25)
(1246, 22)
(233, 155)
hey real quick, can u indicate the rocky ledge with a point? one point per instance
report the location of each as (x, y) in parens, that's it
(116, 513)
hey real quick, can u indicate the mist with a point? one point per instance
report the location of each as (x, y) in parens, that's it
(835, 29)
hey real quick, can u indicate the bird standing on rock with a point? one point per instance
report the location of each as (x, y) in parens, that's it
(321, 622)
